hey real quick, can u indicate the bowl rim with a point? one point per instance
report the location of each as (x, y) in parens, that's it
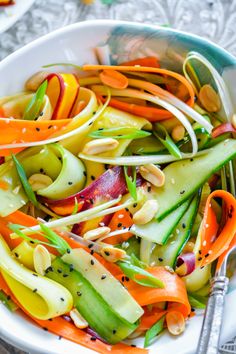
(111, 23)
(5, 334)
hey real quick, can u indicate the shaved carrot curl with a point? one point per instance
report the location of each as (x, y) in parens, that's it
(216, 241)
(175, 75)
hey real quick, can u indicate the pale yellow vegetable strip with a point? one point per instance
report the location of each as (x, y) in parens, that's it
(41, 297)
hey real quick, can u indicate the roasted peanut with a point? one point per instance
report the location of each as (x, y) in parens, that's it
(152, 174)
(178, 132)
(42, 259)
(112, 254)
(39, 181)
(97, 146)
(209, 98)
(78, 319)
(146, 213)
(96, 233)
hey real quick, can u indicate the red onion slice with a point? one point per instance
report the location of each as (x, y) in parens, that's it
(186, 263)
(223, 128)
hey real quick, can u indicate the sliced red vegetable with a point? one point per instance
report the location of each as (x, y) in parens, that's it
(215, 238)
(222, 129)
(186, 263)
(108, 186)
(62, 91)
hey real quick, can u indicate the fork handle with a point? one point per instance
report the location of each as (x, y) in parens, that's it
(211, 328)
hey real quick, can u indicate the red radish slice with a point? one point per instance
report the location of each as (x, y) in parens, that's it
(223, 128)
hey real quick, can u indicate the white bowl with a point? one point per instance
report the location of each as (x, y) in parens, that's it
(75, 44)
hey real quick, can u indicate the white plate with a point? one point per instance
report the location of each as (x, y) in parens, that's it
(10, 14)
(75, 44)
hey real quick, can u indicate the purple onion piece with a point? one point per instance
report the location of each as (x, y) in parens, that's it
(2, 160)
(94, 334)
(186, 263)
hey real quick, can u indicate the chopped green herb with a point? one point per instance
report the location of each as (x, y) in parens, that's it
(16, 228)
(24, 181)
(6, 300)
(153, 332)
(131, 182)
(140, 275)
(76, 207)
(119, 133)
(163, 136)
(33, 108)
(197, 301)
(55, 239)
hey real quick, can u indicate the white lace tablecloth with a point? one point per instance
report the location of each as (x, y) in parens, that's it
(213, 19)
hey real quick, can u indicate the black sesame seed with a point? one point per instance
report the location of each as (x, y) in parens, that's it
(107, 253)
(200, 252)
(68, 250)
(93, 338)
(92, 252)
(35, 275)
(90, 123)
(134, 205)
(91, 245)
(60, 158)
(70, 183)
(160, 259)
(183, 225)
(50, 126)
(103, 276)
(79, 293)
(114, 331)
(106, 166)
(35, 290)
(60, 337)
(81, 196)
(123, 279)
(127, 209)
(94, 112)
(192, 309)
(45, 329)
(17, 255)
(59, 270)
(199, 140)
(85, 173)
(91, 200)
(191, 160)
(149, 189)
(100, 128)
(119, 224)
(201, 267)
(50, 319)
(199, 258)
(92, 262)
(8, 297)
(65, 275)
(93, 178)
(207, 255)
(71, 267)
(182, 192)
(133, 345)
(38, 129)
(32, 242)
(127, 278)
(62, 299)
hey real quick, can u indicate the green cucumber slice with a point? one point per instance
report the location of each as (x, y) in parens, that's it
(109, 288)
(166, 255)
(183, 178)
(99, 315)
(159, 231)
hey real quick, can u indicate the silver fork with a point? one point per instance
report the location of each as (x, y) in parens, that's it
(212, 323)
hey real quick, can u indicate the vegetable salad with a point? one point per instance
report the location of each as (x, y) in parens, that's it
(114, 210)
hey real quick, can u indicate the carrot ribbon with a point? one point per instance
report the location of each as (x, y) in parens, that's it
(216, 240)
